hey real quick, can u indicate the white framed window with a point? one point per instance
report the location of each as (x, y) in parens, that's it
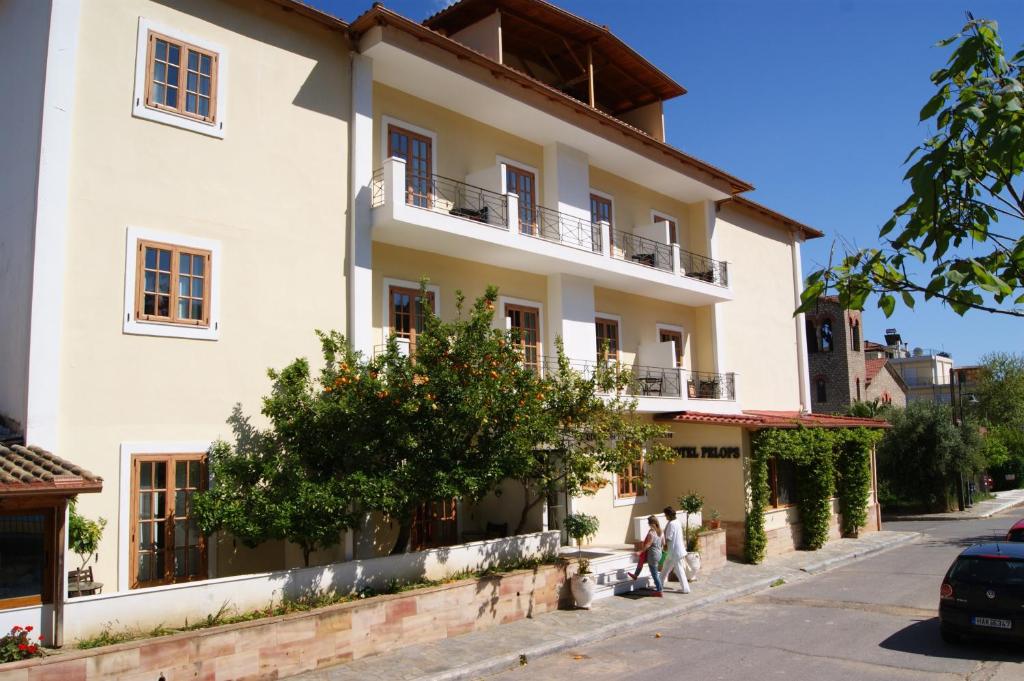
(628, 486)
(171, 285)
(388, 124)
(180, 80)
(608, 331)
(527, 317)
(127, 530)
(397, 303)
(676, 334)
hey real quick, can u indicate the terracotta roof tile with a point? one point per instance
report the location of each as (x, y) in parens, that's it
(757, 419)
(33, 469)
(873, 366)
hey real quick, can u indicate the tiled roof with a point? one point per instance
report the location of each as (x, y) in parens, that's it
(873, 366)
(772, 419)
(27, 470)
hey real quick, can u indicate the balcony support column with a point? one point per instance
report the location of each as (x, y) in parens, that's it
(606, 239)
(360, 256)
(676, 266)
(512, 208)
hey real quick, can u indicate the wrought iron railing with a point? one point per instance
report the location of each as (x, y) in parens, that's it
(445, 195)
(377, 188)
(641, 381)
(545, 223)
(641, 250)
(704, 268)
(467, 201)
(709, 386)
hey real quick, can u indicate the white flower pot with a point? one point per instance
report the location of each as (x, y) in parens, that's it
(691, 564)
(582, 587)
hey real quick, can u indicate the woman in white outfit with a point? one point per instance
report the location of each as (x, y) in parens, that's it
(675, 550)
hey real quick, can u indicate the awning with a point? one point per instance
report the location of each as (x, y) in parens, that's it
(757, 420)
(33, 470)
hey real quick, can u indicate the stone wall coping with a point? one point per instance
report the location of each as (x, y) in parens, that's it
(80, 653)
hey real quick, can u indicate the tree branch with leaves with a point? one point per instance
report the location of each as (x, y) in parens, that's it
(959, 236)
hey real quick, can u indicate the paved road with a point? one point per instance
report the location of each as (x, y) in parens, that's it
(872, 620)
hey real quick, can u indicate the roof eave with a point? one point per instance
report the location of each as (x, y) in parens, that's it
(379, 15)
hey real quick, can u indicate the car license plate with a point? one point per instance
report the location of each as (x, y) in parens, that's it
(992, 622)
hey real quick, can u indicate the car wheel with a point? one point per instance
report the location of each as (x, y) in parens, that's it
(950, 636)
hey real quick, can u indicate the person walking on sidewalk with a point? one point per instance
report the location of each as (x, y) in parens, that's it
(675, 551)
(651, 553)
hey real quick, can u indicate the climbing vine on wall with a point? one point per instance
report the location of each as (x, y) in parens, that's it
(828, 462)
(853, 476)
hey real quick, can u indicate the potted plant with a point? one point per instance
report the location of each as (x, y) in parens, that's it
(582, 527)
(84, 537)
(690, 504)
(714, 521)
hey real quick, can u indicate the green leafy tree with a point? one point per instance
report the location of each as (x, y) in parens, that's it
(924, 456)
(965, 212)
(264, 490)
(587, 430)
(1000, 390)
(869, 409)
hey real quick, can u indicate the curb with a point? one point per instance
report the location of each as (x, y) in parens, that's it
(822, 565)
(511, 660)
(942, 517)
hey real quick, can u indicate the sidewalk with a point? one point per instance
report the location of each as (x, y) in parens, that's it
(982, 509)
(483, 652)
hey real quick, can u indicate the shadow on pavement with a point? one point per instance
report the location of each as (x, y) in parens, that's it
(922, 638)
(983, 538)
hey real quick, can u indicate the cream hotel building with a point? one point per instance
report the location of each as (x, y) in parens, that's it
(191, 188)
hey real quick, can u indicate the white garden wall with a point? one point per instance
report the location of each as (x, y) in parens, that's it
(176, 604)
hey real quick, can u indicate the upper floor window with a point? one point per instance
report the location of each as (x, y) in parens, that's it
(665, 335)
(417, 152)
(173, 284)
(524, 322)
(812, 337)
(523, 183)
(858, 390)
(821, 389)
(407, 311)
(179, 80)
(826, 336)
(673, 236)
(607, 338)
(855, 335)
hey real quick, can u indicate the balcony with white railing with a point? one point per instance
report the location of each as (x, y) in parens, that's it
(460, 219)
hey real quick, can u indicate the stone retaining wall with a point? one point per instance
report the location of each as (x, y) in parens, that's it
(276, 647)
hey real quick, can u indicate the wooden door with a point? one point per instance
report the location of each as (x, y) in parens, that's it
(417, 152)
(526, 320)
(523, 183)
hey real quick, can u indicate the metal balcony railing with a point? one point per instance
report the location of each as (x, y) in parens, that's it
(641, 250)
(704, 268)
(710, 386)
(377, 188)
(642, 381)
(548, 224)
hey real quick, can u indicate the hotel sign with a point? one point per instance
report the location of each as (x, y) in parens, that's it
(708, 452)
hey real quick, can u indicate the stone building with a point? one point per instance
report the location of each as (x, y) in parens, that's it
(839, 372)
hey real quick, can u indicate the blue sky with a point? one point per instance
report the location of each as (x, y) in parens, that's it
(815, 102)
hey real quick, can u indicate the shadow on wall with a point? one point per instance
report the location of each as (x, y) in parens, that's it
(326, 89)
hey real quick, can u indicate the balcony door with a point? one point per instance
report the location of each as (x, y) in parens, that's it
(601, 211)
(523, 183)
(526, 321)
(408, 313)
(607, 339)
(673, 238)
(416, 150)
(676, 337)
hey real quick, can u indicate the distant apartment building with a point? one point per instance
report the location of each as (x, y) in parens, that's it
(926, 372)
(843, 369)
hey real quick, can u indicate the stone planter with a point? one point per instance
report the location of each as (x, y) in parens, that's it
(691, 564)
(583, 587)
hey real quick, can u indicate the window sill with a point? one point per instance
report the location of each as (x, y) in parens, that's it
(163, 330)
(628, 501)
